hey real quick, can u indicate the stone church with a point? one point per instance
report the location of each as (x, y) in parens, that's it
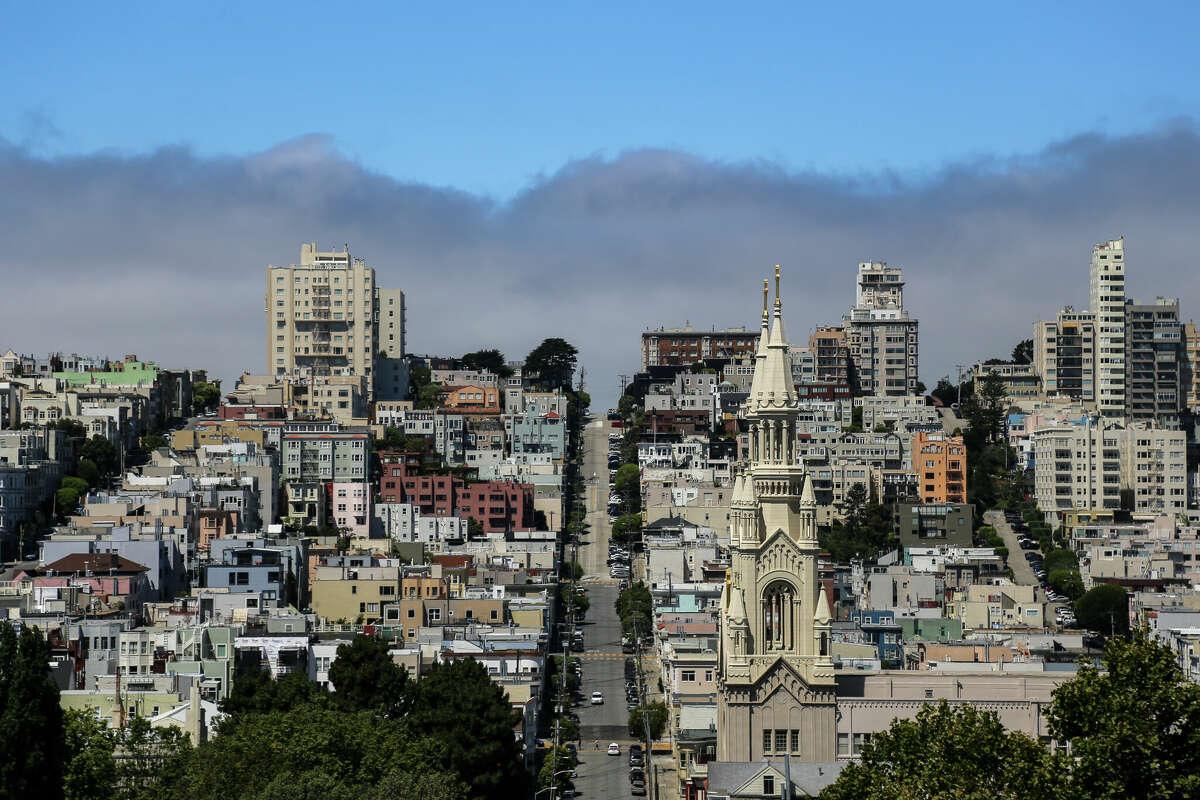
(776, 692)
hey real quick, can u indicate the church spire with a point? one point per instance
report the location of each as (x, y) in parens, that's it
(772, 387)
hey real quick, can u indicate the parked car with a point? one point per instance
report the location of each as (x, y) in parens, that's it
(597, 698)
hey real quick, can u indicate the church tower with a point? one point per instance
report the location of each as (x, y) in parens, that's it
(776, 685)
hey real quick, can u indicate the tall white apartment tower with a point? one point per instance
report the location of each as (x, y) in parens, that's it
(881, 336)
(323, 317)
(1108, 306)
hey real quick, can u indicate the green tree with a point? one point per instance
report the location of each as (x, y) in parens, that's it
(553, 362)
(1134, 727)
(205, 396)
(961, 753)
(153, 441)
(254, 691)
(627, 527)
(945, 391)
(87, 470)
(102, 453)
(491, 360)
(635, 609)
(32, 744)
(558, 759)
(854, 507)
(365, 677)
(78, 484)
(148, 757)
(1066, 581)
(1022, 352)
(89, 771)
(474, 529)
(66, 500)
(856, 421)
(654, 713)
(627, 483)
(626, 405)
(469, 717)
(1104, 608)
(72, 427)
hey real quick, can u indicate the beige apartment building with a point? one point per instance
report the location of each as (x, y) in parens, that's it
(354, 593)
(1064, 354)
(1108, 304)
(324, 317)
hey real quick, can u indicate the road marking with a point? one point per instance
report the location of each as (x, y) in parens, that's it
(592, 579)
(593, 656)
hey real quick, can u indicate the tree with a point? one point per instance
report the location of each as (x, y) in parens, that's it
(627, 483)
(558, 759)
(945, 391)
(86, 469)
(626, 404)
(655, 714)
(205, 396)
(919, 388)
(366, 678)
(854, 506)
(469, 717)
(428, 396)
(255, 691)
(627, 527)
(474, 529)
(310, 747)
(102, 453)
(856, 421)
(1022, 353)
(553, 361)
(148, 756)
(1134, 727)
(1066, 581)
(635, 608)
(153, 441)
(490, 360)
(1104, 608)
(32, 744)
(959, 753)
(89, 771)
(72, 427)
(66, 500)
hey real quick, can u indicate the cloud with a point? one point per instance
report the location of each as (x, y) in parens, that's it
(164, 254)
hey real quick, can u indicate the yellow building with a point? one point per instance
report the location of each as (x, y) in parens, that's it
(354, 594)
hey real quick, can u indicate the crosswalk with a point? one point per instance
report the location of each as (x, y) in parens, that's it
(598, 655)
(600, 580)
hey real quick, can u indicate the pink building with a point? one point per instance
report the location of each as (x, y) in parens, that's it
(351, 509)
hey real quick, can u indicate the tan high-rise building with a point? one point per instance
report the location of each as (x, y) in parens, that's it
(881, 336)
(1064, 354)
(323, 317)
(776, 691)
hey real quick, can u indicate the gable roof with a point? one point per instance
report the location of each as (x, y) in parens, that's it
(97, 563)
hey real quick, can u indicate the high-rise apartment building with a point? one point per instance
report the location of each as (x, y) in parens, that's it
(881, 337)
(1064, 353)
(1154, 468)
(1077, 467)
(1190, 368)
(323, 317)
(940, 461)
(1108, 306)
(1153, 359)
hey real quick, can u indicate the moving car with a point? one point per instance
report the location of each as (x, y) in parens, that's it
(614, 749)
(597, 698)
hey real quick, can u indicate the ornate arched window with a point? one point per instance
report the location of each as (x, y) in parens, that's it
(779, 616)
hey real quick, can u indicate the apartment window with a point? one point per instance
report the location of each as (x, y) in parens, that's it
(781, 741)
(843, 745)
(435, 614)
(795, 740)
(766, 740)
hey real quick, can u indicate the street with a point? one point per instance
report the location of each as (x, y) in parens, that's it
(1022, 571)
(599, 775)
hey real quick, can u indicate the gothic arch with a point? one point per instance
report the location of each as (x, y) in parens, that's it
(780, 607)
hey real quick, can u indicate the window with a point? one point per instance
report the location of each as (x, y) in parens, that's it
(781, 741)
(688, 676)
(768, 784)
(766, 740)
(795, 740)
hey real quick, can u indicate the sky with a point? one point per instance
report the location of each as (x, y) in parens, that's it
(529, 170)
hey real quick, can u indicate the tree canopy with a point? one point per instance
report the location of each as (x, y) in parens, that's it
(491, 360)
(32, 747)
(1022, 352)
(553, 362)
(205, 396)
(1104, 608)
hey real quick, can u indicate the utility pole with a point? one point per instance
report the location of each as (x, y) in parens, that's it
(961, 368)
(624, 383)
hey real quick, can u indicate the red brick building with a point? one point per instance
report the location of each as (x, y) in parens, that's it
(682, 421)
(687, 346)
(498, 505)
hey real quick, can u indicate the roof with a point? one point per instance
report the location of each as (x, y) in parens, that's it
(96, 563)
(727, 777)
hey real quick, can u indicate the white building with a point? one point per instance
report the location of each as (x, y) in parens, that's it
(1108, 304)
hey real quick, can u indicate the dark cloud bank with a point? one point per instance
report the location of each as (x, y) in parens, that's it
(164, 254)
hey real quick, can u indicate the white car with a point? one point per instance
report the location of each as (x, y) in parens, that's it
(597, 698)
(614, 749)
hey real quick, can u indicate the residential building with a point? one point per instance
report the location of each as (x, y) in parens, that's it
(940, 461)
(323, 317)
(881, 336)
(687, 345)
(1064, 354)
(1021, 381)
(1108, 304)
(325, 452)
(1154, 362)
(1154, 468)
(1077, 467)
(929, 524)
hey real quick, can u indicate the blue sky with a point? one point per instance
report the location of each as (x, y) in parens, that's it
(489, 97)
